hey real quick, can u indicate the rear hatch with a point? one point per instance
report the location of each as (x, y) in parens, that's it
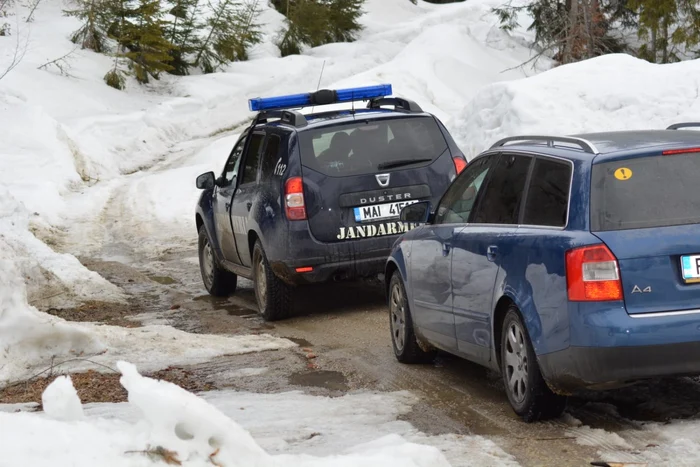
(647, 210)
(359, 175)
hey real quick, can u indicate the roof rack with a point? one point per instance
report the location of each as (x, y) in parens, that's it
(587, 146)
(290, 117)
(678, 126)
(398, 103)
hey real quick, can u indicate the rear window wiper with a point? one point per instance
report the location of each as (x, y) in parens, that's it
(400, 163)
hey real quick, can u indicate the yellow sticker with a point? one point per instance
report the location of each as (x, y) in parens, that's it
(623, 173)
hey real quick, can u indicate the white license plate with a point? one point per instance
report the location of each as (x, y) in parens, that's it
(690, 265)
(380, 211)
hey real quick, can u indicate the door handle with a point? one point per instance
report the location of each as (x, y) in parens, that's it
(446, 249)
(249, 205)
(228, 206)
(491, 252)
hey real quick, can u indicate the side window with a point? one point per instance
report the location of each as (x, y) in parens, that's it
(270, 157)
(548, 194)
(252, 157)
(457, 204)
(501, 200)
(234, 161)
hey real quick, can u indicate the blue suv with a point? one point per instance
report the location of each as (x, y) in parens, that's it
(562, 262)
(305, 199)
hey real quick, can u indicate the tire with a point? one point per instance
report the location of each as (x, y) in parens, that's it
(218, 281)
(273, 295)
(527, 390)
(403, 336)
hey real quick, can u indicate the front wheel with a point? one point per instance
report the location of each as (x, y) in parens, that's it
(403, 337)
(273, 295)
(527, 390)
(218, 281)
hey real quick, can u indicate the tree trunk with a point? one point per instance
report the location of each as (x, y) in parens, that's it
(571, 33)
(654, 45)
(666, 44)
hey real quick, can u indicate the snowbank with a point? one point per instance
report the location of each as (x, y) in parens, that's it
(165, 421)
(613, 92)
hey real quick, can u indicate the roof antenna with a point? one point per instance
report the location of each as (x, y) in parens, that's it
(323, 67)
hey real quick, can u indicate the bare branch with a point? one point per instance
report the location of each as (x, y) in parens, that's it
(19, 53)
(31, 12)
(61, 63)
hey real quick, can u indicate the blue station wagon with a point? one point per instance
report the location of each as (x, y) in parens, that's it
(564, 263)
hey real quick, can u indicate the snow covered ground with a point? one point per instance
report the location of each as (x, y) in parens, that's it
(164, 422)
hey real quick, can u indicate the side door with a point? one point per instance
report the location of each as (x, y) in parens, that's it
(223, 195)
(479, 249)
(244, 197)
(431, 259)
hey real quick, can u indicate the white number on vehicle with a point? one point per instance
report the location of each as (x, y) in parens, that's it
(380, 211)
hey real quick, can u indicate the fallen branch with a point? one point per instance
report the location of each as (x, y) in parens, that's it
(159, 453)
(61, 63)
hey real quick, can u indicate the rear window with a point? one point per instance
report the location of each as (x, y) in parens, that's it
(645, 192)
(370, 146)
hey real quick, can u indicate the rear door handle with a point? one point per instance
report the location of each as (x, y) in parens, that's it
(249, 205)
(446, 249)
(491, 252)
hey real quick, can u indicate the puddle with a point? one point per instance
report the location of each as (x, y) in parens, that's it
(333, 380)
(299, 341)
(164, 280)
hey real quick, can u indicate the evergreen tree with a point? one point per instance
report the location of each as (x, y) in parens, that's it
(95, 18)
(183, 33)
(144, 40)
(317, 22)
(669, 27)
(232, 29)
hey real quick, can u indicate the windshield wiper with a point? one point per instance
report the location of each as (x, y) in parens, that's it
(400, 163)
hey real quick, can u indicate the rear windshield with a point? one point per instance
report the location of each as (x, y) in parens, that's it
(645, 192)
(370, 146)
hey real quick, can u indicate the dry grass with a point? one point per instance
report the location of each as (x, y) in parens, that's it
(93, 386)
(115, 314)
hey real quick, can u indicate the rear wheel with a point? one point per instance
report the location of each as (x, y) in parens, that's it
(218, 281)
(527, 390)
(403, 337)
(273, 295)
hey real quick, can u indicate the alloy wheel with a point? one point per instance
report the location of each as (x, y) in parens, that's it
(516, 363)
(398, 318)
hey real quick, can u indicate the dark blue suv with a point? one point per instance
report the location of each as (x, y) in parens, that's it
(564, 263)
(311, 198)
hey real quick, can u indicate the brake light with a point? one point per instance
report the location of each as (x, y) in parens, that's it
(671, 152)
(305, 269)
(460, 164)
(294, 199)
(592, 275)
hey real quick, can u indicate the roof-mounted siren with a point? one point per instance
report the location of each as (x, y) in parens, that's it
(322, 97)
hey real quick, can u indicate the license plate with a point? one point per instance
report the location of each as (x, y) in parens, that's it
(380, 211)
(690, 266)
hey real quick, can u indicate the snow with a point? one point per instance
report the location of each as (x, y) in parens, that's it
(197, 431)
(60, 400)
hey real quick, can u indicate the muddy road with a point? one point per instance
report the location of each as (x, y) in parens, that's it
(344, 345)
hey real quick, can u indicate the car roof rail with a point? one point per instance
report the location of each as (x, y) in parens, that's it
(585, 145)
(399, 103)
(678, 126)
(290, 117)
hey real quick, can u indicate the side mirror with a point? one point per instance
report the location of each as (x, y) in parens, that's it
(416, 212)
(206, 181)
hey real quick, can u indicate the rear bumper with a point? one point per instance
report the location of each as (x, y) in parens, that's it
(608, 348)
(343, 260)
(608, 367)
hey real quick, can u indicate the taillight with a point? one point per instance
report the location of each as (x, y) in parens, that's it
(460, 164)
(294, 199)
(671, 152)
(592, 275)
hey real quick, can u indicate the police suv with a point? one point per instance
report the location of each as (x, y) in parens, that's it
(311, 198)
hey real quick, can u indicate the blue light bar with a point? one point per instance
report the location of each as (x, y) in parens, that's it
(322, 97)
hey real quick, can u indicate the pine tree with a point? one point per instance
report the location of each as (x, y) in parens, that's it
(232, 29)
(343, 16)
(183, 33)
(144, 38)
(95, 18)
(669, 27)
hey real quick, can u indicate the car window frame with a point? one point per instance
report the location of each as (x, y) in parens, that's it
(228, 183)
(489, 162)
(480, 196)
(244, 156)
(526, 192)
(268, 136)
